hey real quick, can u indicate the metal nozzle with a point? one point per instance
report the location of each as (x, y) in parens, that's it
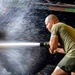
(41, 44)
(44, 44)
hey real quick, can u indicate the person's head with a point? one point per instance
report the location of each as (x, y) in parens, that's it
(50, 21)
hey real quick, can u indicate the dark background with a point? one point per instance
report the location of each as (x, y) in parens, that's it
(20, 20)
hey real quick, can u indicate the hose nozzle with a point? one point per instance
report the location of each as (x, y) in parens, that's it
(44, 44)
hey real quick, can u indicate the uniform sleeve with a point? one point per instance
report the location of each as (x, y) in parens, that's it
(54, 30)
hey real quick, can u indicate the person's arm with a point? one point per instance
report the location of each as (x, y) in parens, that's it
(53, 43)
(59, 50)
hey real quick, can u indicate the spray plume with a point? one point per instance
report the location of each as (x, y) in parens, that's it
(18, 44)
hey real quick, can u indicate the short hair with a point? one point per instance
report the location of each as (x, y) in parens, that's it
(52, 17)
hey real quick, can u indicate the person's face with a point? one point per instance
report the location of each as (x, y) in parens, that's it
(49, 25)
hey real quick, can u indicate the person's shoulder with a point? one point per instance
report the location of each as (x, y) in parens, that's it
(60, 23)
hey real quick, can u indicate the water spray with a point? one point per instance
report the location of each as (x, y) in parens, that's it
(22, 44)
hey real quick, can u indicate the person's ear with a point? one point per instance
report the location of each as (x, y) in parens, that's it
(52, 22)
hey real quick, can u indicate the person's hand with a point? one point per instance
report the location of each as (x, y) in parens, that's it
(52, 52)
(59, 44)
